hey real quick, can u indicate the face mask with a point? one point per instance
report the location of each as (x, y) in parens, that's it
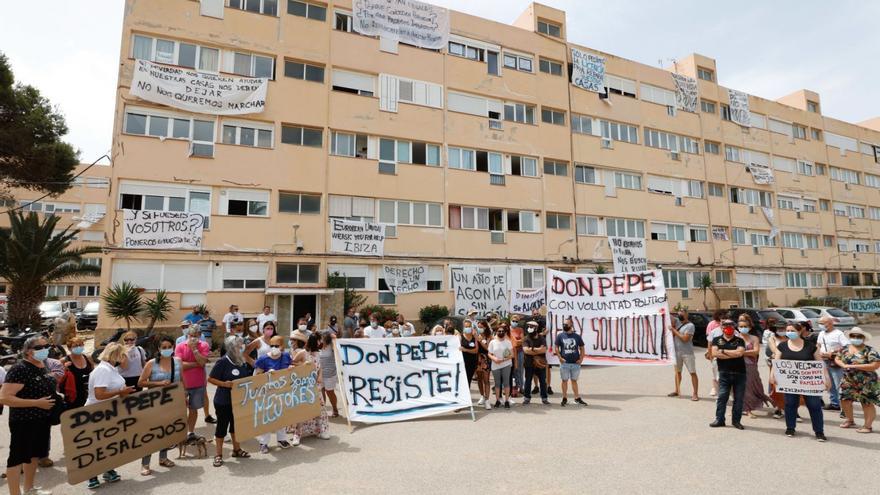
(566, 327)
(743, 329)
(78, 350)
(468, 330)
(41, 354)
(166, 352)
(727, 331)
(514, 324)
(531, 330)
(374, 324)
(780, 334)
(407, 333)
(792, 335)
(857, 342)
(275, 353)
(268, 332)
(302, 328)
(254, 328)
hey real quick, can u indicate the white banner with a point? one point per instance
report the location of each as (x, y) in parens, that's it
(739, 107)
(199, 92)
(524, 301)
(761, 175)
(588, 71)
(417, 23)
(720, 234)
(771, 219)
(799, 377)
(402, 378)
(686, 92)
(405, 279)
(481, 288)
(358, 238)
(629, 254)
(146, 229)
(622, 317)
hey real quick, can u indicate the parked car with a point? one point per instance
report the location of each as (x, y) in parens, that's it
(49, 310)
(803, 316)
(701, 320)
(760, 317)
(842, 319)
(88, 317)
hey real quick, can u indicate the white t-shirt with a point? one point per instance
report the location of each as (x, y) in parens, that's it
(501, 349)
(262, 318)
(407, 327)
(229, 318)
(832, 341)
(104, 376)
(136, 358)
(375, 333)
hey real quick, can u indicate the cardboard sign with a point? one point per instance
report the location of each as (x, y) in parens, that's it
(358, 238)
(799, 377)
(416, 23)
(481, 288)
(864, 305)
(199, 92)
(686, 92)
(147, 229)
(272, 400)
(401, 378)
(524, 301)
(629, 254)
(587, 71)
(621, 317)
(106, 435)
(405, 279)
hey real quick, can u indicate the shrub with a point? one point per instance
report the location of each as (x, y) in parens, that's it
(383, 313)
(432, 313)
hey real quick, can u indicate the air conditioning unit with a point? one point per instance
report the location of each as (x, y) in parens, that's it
(679, 202)
(756, 250)
(851, 221)
(390, 230)
(389, 168)
(497, 237)
(496, 124)
(751, 208)
(606, 143)
(675, 155)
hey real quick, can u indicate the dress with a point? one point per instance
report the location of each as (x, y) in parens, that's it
(755, 398)
(857, 385)
(318, 424)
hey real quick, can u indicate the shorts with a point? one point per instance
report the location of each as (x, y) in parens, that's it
(687, 360)
(569, 371)
(502, 376)
(195, 398)
(225, 420)
(28, 440)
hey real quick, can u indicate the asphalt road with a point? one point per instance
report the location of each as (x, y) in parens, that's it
(631, 439)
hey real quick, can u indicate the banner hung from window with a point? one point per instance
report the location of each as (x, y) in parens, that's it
(739, 107)
(629, 254)
(799, 377)
(398, 379)
(269, 401)
(483, 289)
(147, 229)
(686, 92)
(761, 175)
(405, 279)
(588, 71)
(622, 318)
(771, 219)
(408, 21)
(358, 238)
(198, 92)
(864, 305)
(720, 234)
(524, 301)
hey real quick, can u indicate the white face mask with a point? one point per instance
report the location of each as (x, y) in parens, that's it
(301, 327)
(374, 324)
(253, 328)
(275, 353)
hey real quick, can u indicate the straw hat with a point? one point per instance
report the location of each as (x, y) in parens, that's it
(858, 330)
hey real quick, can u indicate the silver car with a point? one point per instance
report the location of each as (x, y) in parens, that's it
(800, 315)
(842, 319)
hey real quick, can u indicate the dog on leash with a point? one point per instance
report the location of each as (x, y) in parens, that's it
(198, 442)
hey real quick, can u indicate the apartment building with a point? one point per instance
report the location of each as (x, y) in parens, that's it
(482, 152)
(82, 207)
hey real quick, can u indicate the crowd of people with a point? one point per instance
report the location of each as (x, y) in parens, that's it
(506, 359)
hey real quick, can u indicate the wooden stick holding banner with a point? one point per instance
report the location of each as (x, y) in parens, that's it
(340, 387)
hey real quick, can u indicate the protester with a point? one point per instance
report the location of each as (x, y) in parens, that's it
(535, 362)
(332, 326)
(407, 329)
(831, 341)
(276, 359)
(234, 365)
(135, 358)
(194, 316)
(501, 354)
(570, 351)
(207, 325)
(728, 349)
(260, 346)
(349, 324)
(796, 348)
(363, 327)
(232, 317)
(683, 340)
(80, 365)
(755, 398)
(303, 326)
(184, 331)
(713, 330)
(254, 329)
(469, 350)
(164, 370)
(518, 373)
(776, 398)
(327, 362)
(28, 391)
(484, 337)
(105, 383)
(375, 331)
(860, 383)
(318, 426)
(265, 316)
(438, 331)
(193, 354)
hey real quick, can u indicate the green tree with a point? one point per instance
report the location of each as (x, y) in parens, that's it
(124, 302)
(157, 309)
(32, 155)
(706, 285)
(351, 297)
(32, 255)
(599, 270)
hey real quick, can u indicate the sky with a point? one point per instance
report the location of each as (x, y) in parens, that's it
(70, 49)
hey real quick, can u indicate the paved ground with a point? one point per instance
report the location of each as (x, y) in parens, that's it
(631, 439)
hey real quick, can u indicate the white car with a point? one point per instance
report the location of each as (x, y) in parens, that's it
(800, 315)
(842, 319)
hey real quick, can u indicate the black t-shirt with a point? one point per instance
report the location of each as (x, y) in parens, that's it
(225, 371)
(807, 352)
(533, 340)
(469, 344)
(38, 383)
(735, 365)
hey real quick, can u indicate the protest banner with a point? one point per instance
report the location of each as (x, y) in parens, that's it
(629, 254)
(405, 279)
(269, 401)
(481, 288)
(686, 92)
(358, 238)
(588, 71)
(739, 107)
(416, 23)
(864, 305)
(199, 92)
(622, 317)
(761, 175)
(799, 377)
(398, 379)
(524, 301)
(108, 434)
(147, 229)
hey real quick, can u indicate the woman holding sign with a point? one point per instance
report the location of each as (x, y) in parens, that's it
(797, 348)
(234, 365)
(276, 359)
(860, 384)
(159, 372)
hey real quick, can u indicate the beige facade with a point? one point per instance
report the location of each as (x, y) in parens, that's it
(491, 158)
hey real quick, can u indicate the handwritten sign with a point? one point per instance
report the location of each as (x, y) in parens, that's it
(200, 92)
(523, 302)
(629, 254)
(621, 317)
(146, 229)
(761, 175)
(739, 107)
(405, 279)
(402, 378)
(799, 377)
(416, 23)
(864, 305)
(686, 92)
(358, 238)
(481, 288)
(106, 435)
(269, 401)
(588, 71)
(720, 234)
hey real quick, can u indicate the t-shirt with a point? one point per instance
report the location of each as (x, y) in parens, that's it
(192, 318)
(502, 349)
(712, 326)
(832, 341)
(533, 340)
(262, 318)
(267, 363)
(568, 344)
(685, 348)
(38, 383)
(375, 333)
(105, 375)
(135, 361)
(192, 377)
(230, 318)
(735, 365)
(226, 371)
(348, 327)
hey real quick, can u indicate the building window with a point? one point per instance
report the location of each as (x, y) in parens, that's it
(187, 200)
(722, 277)
(815, 134)
(796, 279)
(410, 213)
(96, 262)
(675, 279)
(243, 135)
(307, 10)
(171, 52)
(705, 74)
(587, 225)
(552, 167)
(845, 175)
(304, 71)
(559, 221)
(463, 159)
(299, 203)
(244, 203)
(586, 175)
(522, 221)
(238, 283)
(619, 86)
(850, 279)
(519, 112)
(581, 124)
(824, 205)
(518, 62)
(250, 65)
(385, 294)
(804, 168)
(799, 131)
(302, 136)
(625, 227)
(619, 132)
(725, 112)
(523, 165)
(344, 144)
(59, 290)
(708, 106)
(550, 28)
(551, 116)
(89, 290)
(812, 106)
(353, 82)
(267, 7)
(667, 232)
(296, 273)
(820, 169)
(712, 147)
(716, 190)
(551, 67)
(752, 197)
(624, 180)
(172, 126)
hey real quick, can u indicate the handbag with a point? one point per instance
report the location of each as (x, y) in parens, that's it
(57, 409)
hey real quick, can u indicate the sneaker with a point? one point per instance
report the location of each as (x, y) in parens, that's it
(777, 414)
(507, 404)
(284, 444)
(94, 484)
(295, 440)
(264, 449)
(324, 435)
(821, 437)
(535, 390)
(45, 462)
(526, 401)
(545, 402)
(716, 424)
(789, 432)
(497, 404)
(487, 406)
(37, 491)
(800, 419)
(549, 391)
(111, 476)
(564, 402)
(210, 419)
(580, 401)
(481, 401)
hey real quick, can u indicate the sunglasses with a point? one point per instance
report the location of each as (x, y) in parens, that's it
(39, 347)
(275, 346)
(128, 340)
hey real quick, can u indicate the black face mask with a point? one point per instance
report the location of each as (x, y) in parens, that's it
(566, 327)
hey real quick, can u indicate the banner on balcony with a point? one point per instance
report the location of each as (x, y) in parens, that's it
(405, 279)
(481, 288)
(761, 175)
(524, 301)
(628, 253)
(588, 71)
(686, 92)
(409, 21)
(147, 229)
(739, 107)
(358, 238)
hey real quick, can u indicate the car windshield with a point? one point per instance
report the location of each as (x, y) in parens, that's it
(91, 307)
(838, 313)
(50, 306)
(772, 314)
(809, 313)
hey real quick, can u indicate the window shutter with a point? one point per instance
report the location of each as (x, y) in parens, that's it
(211, 8)
(363, 207)
(340, 206)
(388, 91)
(474, 105)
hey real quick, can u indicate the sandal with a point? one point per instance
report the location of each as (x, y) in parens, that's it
(335, 414)
(146, 471)
(672, 394)
(240, 453)
(218, 461)
(847, 424)
(167, 463)
(865, 429)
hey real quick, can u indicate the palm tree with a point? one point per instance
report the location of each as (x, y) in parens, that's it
(157, 309)
(706, 284)
(600, 270)
(32, 255)
(123, 302)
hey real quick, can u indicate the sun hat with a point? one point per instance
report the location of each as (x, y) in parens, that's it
(859, 331)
